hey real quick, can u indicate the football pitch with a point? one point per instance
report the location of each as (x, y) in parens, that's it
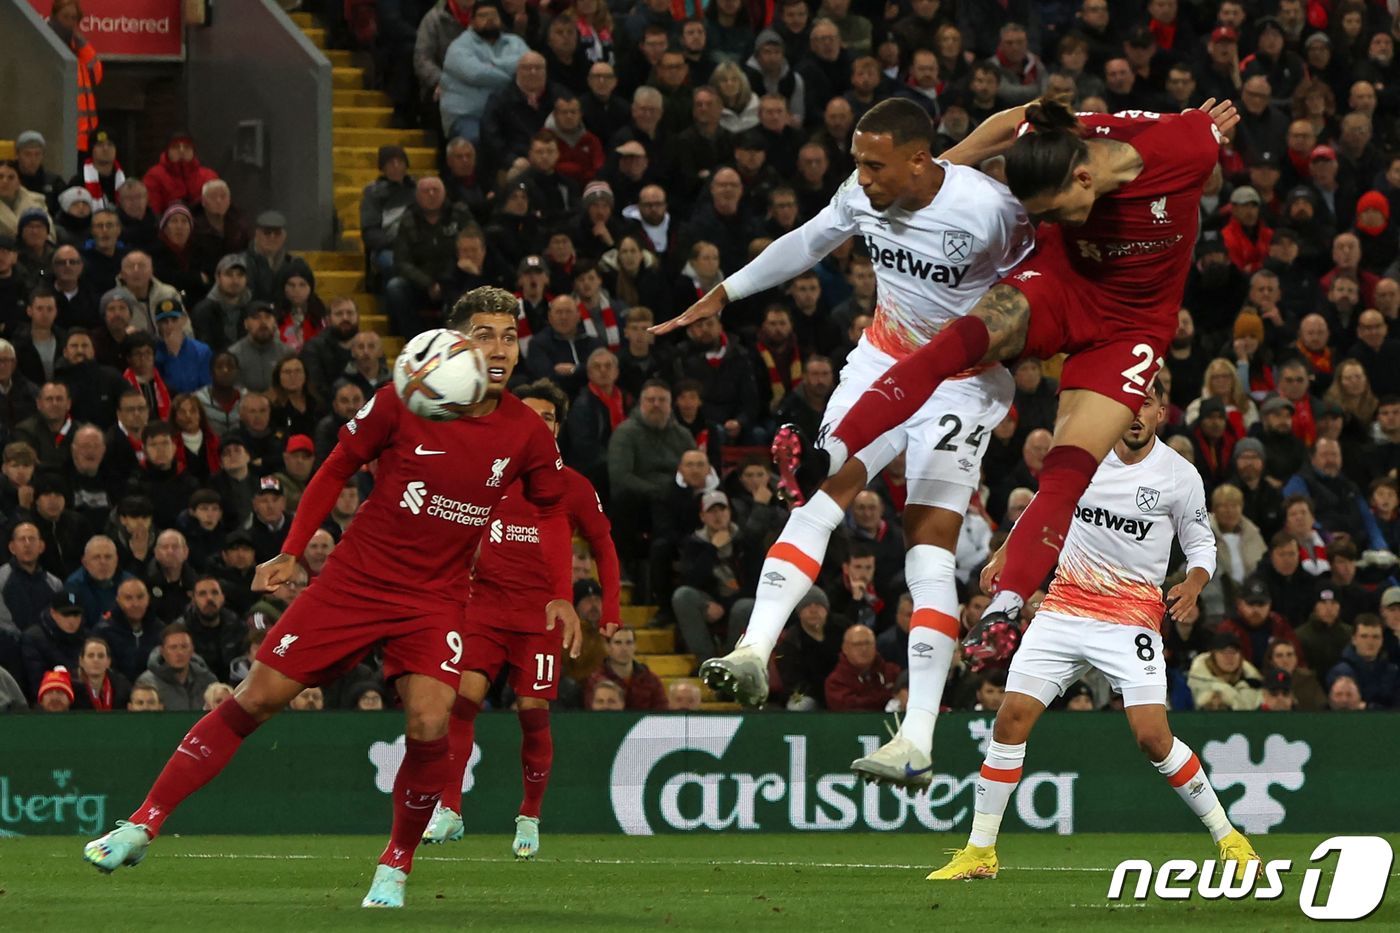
(847, 881)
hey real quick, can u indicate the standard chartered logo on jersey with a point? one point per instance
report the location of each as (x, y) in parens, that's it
(684, 773)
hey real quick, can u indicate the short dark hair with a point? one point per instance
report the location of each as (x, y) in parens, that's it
(156, 429)
(136, 341)
(487, 299)
(78, 332)
(41, 291)
(547, 391)
(899, 118)
(174, 628)
(860, 549)
(689, 385)
(1368, 619)
(1297, 497)
(656, 384)
(1280, 539)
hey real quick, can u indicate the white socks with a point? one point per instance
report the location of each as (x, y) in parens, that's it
(1005, 601)
(932, 638)
(1182, 770)
(1001, 771)
(836, 449)
(792, 565)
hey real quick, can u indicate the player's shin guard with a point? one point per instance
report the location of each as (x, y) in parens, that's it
(1182, 769)
(536, 757)
(933, 637)
(905, 386)
(426, 768)
(792, 565)
(200, 756)
(461, 735)
(1001, 772)
(1035, 541)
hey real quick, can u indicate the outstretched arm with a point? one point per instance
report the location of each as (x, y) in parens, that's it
(991, 138)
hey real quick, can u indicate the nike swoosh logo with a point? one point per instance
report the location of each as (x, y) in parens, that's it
(422, 451)
(910, 772)
(544, 686)
(414, 806)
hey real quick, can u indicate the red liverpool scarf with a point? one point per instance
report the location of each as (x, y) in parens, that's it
(716, 357)
(612, 402)
(779, 386)
(162, 393)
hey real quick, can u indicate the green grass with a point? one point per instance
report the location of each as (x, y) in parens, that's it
(854, 882)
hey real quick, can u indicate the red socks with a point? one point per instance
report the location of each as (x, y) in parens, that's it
(461, 732)
(417, 789)
(897, 395)
(201, 754)
(1035, 541)
(536, 757)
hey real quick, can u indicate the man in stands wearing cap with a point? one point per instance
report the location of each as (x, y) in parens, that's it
(760, 179)
(1284, 451)
(73, 216)
(1278, 692)
(270, 521)
(1221, 76)
(1246, 237)
(1337, 194)
(130, 630)
(1255, 624)
(1263, 503)
(298, 460)
(235, 565)
(218, 318)
(55, 691)
(101, 174)
(29, 158)
(1213, 442)
(183, 361)
(807, 653)
(161, 478)
(178, 176)
(55, 639)
(267, 254)
(1325, 635)
(599, 228)
(718, 564)
(261, 349)
(382, 206)
(630, 170)
(581, 153)
(478, 63)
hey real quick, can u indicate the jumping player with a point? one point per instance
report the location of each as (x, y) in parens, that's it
(1105, 612)
(1104, 285)
(505, 624)
(939, 233)
(399, 577)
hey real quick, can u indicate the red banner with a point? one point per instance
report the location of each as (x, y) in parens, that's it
(127, 29)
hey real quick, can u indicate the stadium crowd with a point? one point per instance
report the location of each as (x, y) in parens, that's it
(170, 378)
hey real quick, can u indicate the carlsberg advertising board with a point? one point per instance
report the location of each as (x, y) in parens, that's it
(671, 773)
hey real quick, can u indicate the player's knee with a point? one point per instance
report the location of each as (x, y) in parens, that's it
(425, 725)
(1013, 723)
(1155, 743)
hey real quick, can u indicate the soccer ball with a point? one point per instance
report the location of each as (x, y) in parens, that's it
(439, 375)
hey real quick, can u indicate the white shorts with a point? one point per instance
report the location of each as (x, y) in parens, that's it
(946, 438)
(1058, 649)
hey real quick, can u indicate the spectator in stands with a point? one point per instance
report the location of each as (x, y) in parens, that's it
(50, 429)
(219, 227)
(367, 368)
(478, 63)
(140, 224)
(861, 680)
(259, 351)
(1324, 636)
(16, 200)
(100, 172)
(270, 520)
(174, 256)
(348, 399)
(642, 688)
(722, 366)
(94, 491)
(300, 312)
(598, 229)
(234, 567)
(169, 576)
(1339, 504)
(516, 112)
(1291, 589)
(597, 411)
(608, 696)
(266, 256)
(1376, 676)
(162, 478)
(178, 674)
(125, 449)
(138, 279)
(295, 409)
(807, 653)
(328, 354)
(297, 462)
(16, 475)
(144, 699)
(202, 524)
(719, 220)
(560, 352)
(139, 351)
(424, 254)
(25, 587)
(1255, 624)
(77, 301)
(18, 396)
(1376, 352)
(15, 283)
(1238, 542)
(581, 152)
(39, 344)
(221, 398)
(55, 692)
(641, 358)
(1222, 679)
(64, 532)
(129, 630)
(718, 565)
(806, 405)
(134, 533)
(30, 147)
(183, 361)
(218, 635)
(854, 594)
(55, 639)
(95, 582)
(1299, 525)
(97, 686)
(383, 204)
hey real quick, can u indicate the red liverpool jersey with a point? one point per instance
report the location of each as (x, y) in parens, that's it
(1138, 240)
(434, 490)
(511, 573)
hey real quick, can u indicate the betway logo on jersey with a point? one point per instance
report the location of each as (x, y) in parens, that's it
(520, 534)
(1102, 518)
(903, 261)
(419, 501)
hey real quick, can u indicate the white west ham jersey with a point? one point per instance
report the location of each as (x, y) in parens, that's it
(1119, 543)
(931, 265)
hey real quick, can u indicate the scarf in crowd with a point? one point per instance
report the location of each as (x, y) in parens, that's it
(609, 333)
(155, 392)
(93, 183)
(463, 15)
(1320, 362)
(1029, 72)
(1312, 556)
(872, 599)
(523, 330)
(715, 357)
(101, 699)
(1164, 33)
(778, 386)
(62, 434)
(1216, 454)
(137, 447)
(1304, 421)
(612, 402)
(209, 449)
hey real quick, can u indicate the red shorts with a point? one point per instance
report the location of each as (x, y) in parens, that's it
(533, 656)
(1115, 349)
(324, 634)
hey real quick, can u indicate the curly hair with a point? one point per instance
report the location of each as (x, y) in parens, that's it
(488, 299)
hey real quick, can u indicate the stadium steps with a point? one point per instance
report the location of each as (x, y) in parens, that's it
(654, 640)
(360, 118)
(7, 148)
(672, 665)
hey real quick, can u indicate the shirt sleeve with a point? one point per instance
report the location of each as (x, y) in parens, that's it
(546, 488)
(1192, 522)
(797, 250)
(586, 513)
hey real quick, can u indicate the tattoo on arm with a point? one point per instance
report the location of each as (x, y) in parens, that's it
(1006, 313)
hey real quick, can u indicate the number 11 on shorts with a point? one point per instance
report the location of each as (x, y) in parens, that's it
(544, 669)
